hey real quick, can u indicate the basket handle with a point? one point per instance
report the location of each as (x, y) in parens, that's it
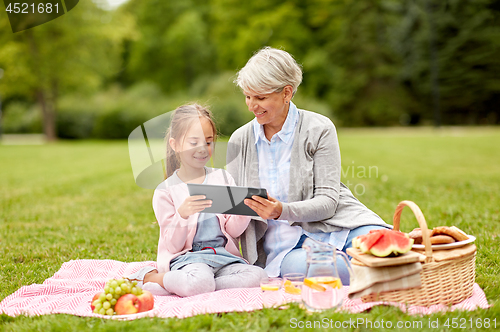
(421, 222)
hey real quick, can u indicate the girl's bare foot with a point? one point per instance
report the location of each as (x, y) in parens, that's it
(154, 276)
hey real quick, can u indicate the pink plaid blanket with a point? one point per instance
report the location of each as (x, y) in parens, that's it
(71, 289)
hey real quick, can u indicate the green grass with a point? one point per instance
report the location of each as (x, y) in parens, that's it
(78, 200)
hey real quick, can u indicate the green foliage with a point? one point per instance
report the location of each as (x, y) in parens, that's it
(114, 113)
(242, 28)
(110, 114)
(359, 80)
(74, 52)
(173, 48)
(21, 117)
(226, 102)
(365, 62)
(467, 38)
(369, 60)
(75, 123)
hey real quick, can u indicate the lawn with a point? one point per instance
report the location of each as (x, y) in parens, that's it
(78, 200)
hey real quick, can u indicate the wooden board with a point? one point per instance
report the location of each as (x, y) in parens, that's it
(356, 262)
(374, 261)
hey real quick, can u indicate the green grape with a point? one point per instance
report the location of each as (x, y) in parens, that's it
(102, 311)
(102, 297)
(95, 302)
(116, 296)
(106, 305)
(113, 284)
(134, 291)
(113, 301)
(109, 296)
(139, 291)
(106, 289)
(96, 311)
(124, 288)
(118, 290)
(98, 305)
(120, 281)
(134, 282)
(110, 312)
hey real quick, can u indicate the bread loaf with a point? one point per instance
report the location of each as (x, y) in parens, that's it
(453, 231)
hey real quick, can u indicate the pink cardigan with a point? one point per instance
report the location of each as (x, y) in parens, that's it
(177, 233)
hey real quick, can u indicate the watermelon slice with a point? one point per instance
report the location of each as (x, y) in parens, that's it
(383, 242)
(392, 242)
(357, 241)
(369, 241)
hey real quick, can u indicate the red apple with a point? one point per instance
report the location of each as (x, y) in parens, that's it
(96, 297)
(127, 304)
(146, 301)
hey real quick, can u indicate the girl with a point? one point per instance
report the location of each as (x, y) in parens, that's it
(197, 252)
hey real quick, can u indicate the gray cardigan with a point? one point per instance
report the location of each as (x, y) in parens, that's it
(317, 200)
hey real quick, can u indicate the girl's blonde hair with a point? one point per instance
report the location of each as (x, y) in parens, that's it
(182, 119)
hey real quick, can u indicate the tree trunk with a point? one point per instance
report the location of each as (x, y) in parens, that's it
(48, 115)
(45, 97)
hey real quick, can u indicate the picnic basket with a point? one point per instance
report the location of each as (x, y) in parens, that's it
(447, 279)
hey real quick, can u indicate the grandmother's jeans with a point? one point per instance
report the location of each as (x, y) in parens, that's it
(295, 260)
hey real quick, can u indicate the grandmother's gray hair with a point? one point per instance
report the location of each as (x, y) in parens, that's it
(269, 70)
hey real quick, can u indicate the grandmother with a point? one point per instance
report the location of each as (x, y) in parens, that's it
(294, 154)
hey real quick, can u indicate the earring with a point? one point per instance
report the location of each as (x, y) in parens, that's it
(286, 102)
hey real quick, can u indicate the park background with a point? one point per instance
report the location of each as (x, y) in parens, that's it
(100, 71)
(424, 74)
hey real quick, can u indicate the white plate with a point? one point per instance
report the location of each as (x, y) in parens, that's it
(149, 313)
(447, 245)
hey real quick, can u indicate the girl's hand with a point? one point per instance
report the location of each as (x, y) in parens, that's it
(193, 204)
(269, 208)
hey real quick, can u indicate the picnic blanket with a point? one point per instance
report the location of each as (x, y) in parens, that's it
(71, 289)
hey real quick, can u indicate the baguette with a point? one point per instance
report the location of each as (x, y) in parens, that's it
(453, 231)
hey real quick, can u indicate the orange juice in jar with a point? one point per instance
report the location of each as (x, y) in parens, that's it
(320, 293)
(322, 287)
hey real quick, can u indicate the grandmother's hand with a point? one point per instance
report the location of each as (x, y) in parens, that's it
(269, 208)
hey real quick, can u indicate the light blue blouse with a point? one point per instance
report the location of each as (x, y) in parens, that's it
(274, 175)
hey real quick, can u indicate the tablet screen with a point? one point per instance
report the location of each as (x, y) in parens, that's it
(227, 199)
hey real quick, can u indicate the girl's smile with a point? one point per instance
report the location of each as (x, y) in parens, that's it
(194, 149)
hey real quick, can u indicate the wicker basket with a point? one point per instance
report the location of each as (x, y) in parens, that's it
(444, 282)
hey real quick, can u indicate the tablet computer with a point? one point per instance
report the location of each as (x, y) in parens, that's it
(227, 199)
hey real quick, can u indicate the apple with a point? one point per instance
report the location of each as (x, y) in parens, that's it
(127, 304)
(146, 301)
(96, 297)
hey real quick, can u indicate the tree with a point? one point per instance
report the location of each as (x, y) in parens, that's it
(74, 52)
(174, 48)
(467, 35)
(343, 46)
